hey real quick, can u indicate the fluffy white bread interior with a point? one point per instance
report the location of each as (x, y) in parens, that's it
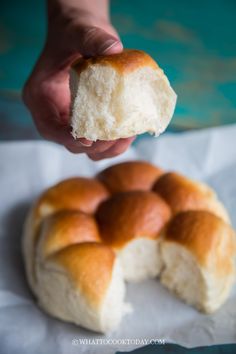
(58, 296)
(140, 259)
(108, 103)
(198, 260)
(191, 283)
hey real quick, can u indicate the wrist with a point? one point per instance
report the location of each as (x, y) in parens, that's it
(80, 12)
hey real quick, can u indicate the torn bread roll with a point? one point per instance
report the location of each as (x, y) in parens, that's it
(131, 224)
(119, 96)
(198, 252)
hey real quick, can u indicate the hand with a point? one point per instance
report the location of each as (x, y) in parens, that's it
(72, 33)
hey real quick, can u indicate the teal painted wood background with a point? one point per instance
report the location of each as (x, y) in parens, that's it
(193, 41)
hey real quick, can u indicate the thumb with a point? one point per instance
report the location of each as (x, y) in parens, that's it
(95, 41)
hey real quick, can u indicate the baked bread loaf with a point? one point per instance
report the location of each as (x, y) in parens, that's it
(85, 237)
(119, 96)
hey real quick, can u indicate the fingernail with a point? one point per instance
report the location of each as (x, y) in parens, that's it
(108, 45)
(86, 143)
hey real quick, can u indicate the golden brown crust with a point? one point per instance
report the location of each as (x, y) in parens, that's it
(128, 176)
(206, 236)
(129, 215)
(90, 267)
(78, 193)
(183, 194)
(124, 62)
(65, 228)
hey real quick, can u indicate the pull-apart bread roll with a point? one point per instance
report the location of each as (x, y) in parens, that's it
(129, 176)
(84, 237)
(119, 96)
(79, 193)
(131, 223)
(198, 252)
(75, 277)
(181, 194)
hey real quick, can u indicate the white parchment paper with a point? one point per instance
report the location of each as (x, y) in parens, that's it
(26, 168)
